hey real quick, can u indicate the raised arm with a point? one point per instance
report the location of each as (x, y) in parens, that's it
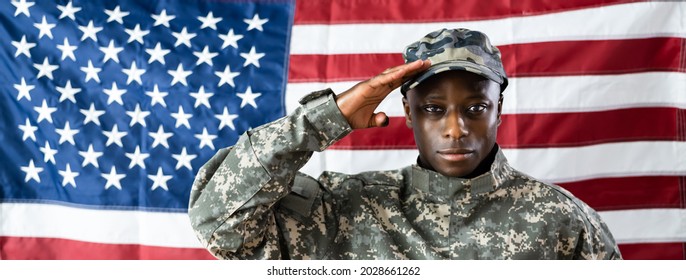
(234, 193)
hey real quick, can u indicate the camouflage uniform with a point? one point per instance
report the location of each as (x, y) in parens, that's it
(250, 202)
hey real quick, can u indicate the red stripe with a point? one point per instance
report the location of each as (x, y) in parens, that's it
(21, 248)
(588, 128)
(628, 192)
(653, 251)
(351, 11)
(339, 67)
(592, 57)
(520, 60)
(542, 130)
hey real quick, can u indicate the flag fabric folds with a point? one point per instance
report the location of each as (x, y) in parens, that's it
(110, 108)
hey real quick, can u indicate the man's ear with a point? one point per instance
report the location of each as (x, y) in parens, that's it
(500, 108)
(408, 115)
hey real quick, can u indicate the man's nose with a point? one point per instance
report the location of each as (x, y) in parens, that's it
(454, 126)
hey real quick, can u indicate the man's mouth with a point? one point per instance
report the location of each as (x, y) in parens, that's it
(454, 154)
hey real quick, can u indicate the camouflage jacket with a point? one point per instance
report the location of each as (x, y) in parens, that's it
(250, 202)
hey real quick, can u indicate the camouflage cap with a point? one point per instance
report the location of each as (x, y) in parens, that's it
(456, 49)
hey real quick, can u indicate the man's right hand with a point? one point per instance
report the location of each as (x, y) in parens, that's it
(359, 102)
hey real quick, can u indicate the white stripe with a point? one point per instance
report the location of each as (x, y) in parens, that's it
(604, 160)
(172, 230)
(595, 93)
(100, 226)
(647, 225)
(634, 20)
(552, 94)
(557, 165)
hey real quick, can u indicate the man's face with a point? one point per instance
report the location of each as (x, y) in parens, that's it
(454, 116)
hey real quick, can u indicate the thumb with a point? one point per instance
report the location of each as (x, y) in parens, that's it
(378, 120)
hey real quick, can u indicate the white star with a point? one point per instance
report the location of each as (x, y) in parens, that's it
(113, 178)
(111, 52)
(209, 21)
(114, 94)
(184, 160)
(29, 131)
(226, 77)
(68, 176)
(183, 38)
(162, 19)
(248, 98)
(89, 31)
(45, 69)
(44, 28)
(24, 90)
(68, 11)
(137, 158)
(134, 74)
(230, 39)
(159, 180)
(91, 72)
(32, 172)
(91, 115)
(226, 119)
(201, 97)
(68, 92)
(67, 50)
(23, 47)
(67, 134)
(205, 56)
(157, 96)
(182, 118)
(116, 15)
(256, 22)
(252, 57)
(179, 75)
(160, 137)
(137, 116)
(48, 153)
(157, 54)
(136, 34)
(206, 139)
(114, 136)
(22, 7)
(90, 157)
(44, 112)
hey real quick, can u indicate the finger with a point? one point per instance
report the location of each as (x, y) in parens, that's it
(410, 73)
(397, 67)
(393, 77)
(417, 65)
(404, 69)
(378, 120)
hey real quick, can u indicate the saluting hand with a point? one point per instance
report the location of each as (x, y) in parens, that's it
(359, 102)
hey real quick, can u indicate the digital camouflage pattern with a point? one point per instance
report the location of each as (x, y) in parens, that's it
(250, 202)
(456, 49)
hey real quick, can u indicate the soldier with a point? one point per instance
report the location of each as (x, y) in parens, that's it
(462, 200)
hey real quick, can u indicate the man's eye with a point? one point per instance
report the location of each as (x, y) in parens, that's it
(477, 108)
(432, 109)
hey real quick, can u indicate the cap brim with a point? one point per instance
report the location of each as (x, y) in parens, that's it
(451, 66)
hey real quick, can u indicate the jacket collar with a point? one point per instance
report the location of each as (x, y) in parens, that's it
(430, 181)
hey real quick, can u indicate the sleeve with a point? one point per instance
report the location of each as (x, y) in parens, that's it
(232, 200)
(595, 239)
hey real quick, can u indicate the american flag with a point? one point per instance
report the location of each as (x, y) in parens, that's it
(109, 109)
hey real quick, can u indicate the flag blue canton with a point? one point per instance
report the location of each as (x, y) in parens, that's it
(118, 104)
